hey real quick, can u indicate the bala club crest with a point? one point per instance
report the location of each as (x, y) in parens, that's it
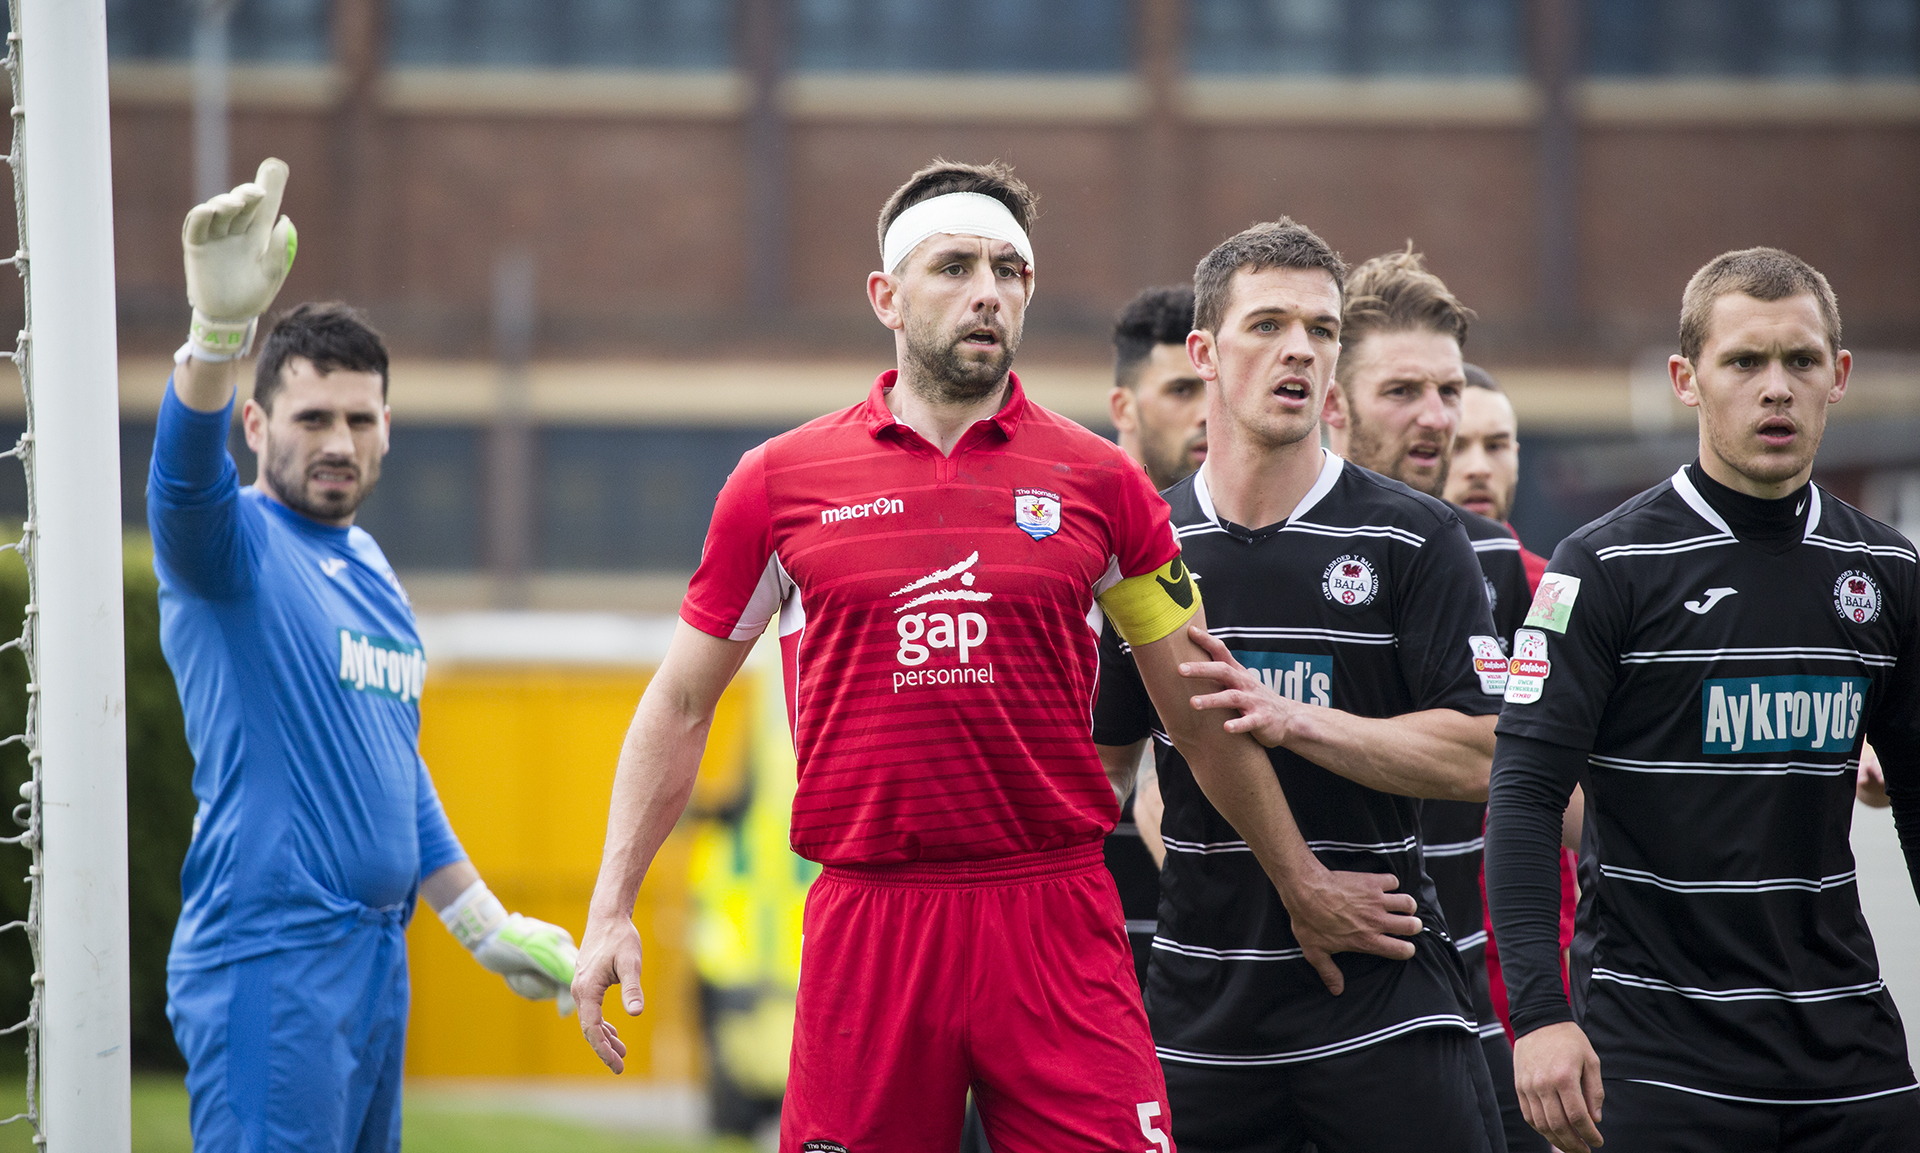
(1856, 597)
(1036, 512)
(1349, 581)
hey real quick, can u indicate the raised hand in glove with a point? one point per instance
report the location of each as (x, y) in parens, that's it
(237, 258)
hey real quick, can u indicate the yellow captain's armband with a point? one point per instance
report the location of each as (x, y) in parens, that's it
(1152, 605)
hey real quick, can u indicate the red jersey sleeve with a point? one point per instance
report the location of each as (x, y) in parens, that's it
(740, 583)
(1143, 537)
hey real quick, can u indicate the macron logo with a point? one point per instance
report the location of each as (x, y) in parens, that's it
(879, 506)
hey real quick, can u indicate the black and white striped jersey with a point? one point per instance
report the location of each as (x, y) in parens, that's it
(1451, 831)
(1722, 685)
(1366, 599)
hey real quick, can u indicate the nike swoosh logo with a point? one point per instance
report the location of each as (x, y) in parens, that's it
(1180, 588)
(1714, 597)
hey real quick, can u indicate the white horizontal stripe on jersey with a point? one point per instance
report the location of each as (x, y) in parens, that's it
(1727, 768)
(1797, 996)
(1771, 1100)
(1827, 542)
(1497, 544)
(1384, 531)
(1491, 1030)
(1161, 736)
(1201, 951)
(1336, 636)
(1382, 847)
(1204, 848)
(1692, 656)
(1437, 1020)
(1471, 941)
(1140, 925)
(1769, 885)
(1455, 848)
(1716, 540)
(1182, 532)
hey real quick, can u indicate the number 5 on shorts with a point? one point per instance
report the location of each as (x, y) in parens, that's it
(1148, 1111)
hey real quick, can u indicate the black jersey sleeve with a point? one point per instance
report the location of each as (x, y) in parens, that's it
(1508, 575)
(1122, 712)
(1566, 654)
(1532, 780)
(1441, 608)
(1894, 730)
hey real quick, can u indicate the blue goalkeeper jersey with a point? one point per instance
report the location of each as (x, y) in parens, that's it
(299, 670)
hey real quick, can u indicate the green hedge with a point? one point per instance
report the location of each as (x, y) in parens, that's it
(160, 807)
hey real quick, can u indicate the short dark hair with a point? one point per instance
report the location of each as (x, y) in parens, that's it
(332, 335)
(1276, 244)
(994, 178)
(1478, 377)
(1396, 293)
(1157, 316)
(1763, 273)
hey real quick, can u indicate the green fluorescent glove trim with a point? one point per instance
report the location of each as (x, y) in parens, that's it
(543, 950)
(293, 243)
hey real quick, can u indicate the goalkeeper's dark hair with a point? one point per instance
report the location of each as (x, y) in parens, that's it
(334, 336)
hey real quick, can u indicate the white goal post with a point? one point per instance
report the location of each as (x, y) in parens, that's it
(76, 725)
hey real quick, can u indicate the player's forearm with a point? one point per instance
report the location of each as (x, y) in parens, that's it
(1439, 753)
(1531, 782)
(439, 888)
(1122, 766)
(651, 787)
(204, 386)
(1901, 769)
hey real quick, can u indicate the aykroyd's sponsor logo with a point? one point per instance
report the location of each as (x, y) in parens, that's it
(1036, 512)
(1489, 664)
(922, 634)
(878, 506)
(1527, 672)
(382, 666)
(1296, 676)
(1855, 597)
(1778, 714)
(1349, 581)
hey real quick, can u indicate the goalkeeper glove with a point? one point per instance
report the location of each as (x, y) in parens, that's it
(535, 958)
(237, 258)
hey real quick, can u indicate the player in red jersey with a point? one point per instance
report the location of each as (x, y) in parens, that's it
(933, 555)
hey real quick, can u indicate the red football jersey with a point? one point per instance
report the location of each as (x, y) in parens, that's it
(934, 621)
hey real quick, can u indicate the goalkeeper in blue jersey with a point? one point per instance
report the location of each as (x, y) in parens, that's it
(300, 672)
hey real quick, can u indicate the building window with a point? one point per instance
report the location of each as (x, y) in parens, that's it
(1358, 37)
(666, 34)
(1757, 38)
(262, 31)
(943, 36)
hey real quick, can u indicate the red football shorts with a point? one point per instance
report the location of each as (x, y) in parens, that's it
(1011, 976)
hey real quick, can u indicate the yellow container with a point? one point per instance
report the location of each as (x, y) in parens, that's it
(522, 741)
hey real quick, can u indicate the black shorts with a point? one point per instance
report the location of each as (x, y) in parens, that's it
(1638, 1117)
(1427, 1090)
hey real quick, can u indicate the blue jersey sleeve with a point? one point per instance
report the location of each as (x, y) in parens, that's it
(193, 502)
(438, 846)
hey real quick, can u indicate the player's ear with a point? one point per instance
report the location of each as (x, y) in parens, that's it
(386, 429)
(253, 422)
(1334, 411)
(1120, 405)
(883, 293)
(1842, 366)
(1684, 385)
(1200, 351)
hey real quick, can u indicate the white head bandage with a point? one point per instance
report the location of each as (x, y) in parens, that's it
(956, 213)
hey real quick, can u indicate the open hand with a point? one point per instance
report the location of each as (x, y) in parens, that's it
(1351, 913)
(1263, 713)
(609, 956)
(1557, 1076)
